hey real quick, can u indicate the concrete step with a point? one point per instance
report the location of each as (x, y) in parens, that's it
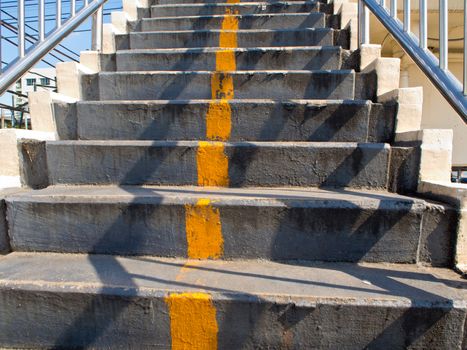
(265, 58)
(273, 223)
(81, 301)
(242, 164)
(251, 120)
(245, 38)
(196, 9)
(189, 85)
(250, 21)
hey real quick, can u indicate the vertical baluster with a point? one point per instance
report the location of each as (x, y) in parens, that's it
(407, 15)
(1, 56)
(73, 8)
(21, 48)
(443, 34)
(423, 25)
(363, 23)
(382, 3)
(59, 13)
(97, 22)
(41, 20)
(393, 8)
(465, 47)
(86, 3)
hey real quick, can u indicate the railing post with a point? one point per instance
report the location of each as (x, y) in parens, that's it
(97, 22)
(59, 13)
(443, 34)
(41, 21)
(465, 47)
(1, 56)
(21, 48)
(73, 7)
(407, 15)
(423, 25)
(363, 24)
(393, 8)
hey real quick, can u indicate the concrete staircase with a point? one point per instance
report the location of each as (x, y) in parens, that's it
(231, 185)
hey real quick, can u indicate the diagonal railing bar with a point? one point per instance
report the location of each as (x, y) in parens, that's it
(27, 59)
(436, 70)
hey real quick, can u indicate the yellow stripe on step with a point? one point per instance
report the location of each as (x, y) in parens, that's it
(193, 323)
(203, 230)
(213, 164)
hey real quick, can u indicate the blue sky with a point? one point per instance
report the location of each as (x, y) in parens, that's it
(79, 40)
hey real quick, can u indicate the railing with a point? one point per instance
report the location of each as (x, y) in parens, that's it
(45, 43)
(416, 46)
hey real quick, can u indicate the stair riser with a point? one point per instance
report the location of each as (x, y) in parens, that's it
(312, 20)
(312, 231)
(347, 122)
(175, 163)
(241, 9)
(304, 37)
(69, 319)
(258, 85)
(266, 59)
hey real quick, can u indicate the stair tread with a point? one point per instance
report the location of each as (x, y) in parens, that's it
(254, 3)
(231, 102)
(201, 16)
(238, 31)
(177, 194)
(307, 283)
(235, 49)
(243, 72)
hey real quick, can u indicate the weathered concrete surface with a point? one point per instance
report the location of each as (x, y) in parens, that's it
(196, 9)
(33, 163)
(250, 21)
(404, 169)
(188, 85)
(271, 58)
(249, 163)
(245, 38)
(438, 240)
(54, 301)
(275, 224)
(260, 120)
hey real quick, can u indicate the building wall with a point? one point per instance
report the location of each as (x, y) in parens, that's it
(438, 114)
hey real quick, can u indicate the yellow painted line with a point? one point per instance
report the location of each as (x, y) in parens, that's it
(211, 159)
(203, 230)
(213, 164)
(193, 323)
(218, 120)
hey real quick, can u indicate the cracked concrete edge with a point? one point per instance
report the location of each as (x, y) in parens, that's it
(455, 194)
(12, 172)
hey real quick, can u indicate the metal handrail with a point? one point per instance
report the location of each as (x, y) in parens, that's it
(27, 59)
(416, 47)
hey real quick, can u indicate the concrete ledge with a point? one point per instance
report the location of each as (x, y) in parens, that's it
(409, 112)
(387, 74)
(436, 152)
(369, 53)
(348, 12)
(456, 194)
(54, 113)
(11, 157)
(69, 76)
(98, 61)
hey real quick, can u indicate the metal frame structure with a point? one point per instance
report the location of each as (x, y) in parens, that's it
(27, 59)
(416, 47)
